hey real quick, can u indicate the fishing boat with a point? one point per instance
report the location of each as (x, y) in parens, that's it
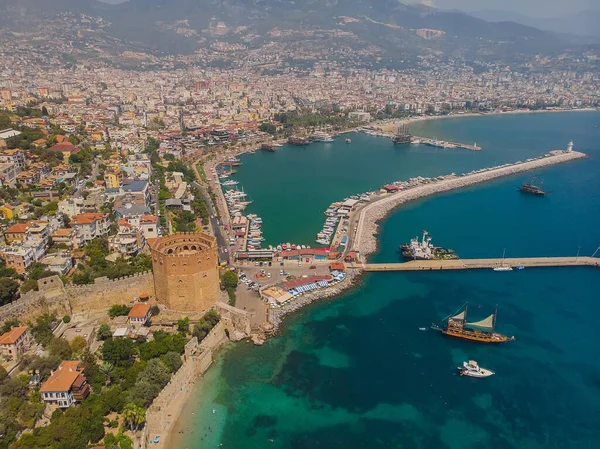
(502, 266)
(483, 331)
(348, 140)
(472, 369)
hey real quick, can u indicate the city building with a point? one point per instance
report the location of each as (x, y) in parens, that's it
(65, 386)
(60, 263)
(139, 314)
(15, 342)
(91, 225)
(12, 210)
(18, 256)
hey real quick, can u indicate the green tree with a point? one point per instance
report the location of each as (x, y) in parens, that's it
(107, 368)
(78, 344)
(205, 324)
(134, 416)
(66, 319)
(59, 347)
(9, 324)
(103, 332)
(143, 393)
(229, 279)
(172, 360)
(156, 372)
(38, 271)
(42, 329)
(183, 325)
(268, 127)
(8, 290)
(118, 351)
(118, 310)
(28, 285)
(3, 374)
(113, 398)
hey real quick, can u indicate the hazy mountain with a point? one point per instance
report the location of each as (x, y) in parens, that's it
(181, 26)
(585, 23)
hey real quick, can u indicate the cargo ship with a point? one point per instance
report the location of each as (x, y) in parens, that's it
(532, 189)
(483, 331)
(424, 250)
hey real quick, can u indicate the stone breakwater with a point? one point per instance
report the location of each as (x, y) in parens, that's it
(276, 315)
(365, 240)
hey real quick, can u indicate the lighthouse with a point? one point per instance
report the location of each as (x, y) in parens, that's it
(570, 147)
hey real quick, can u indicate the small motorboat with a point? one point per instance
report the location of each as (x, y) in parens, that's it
(472, 369)
(520, 267)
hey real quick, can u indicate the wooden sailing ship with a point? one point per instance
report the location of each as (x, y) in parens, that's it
(483, 331)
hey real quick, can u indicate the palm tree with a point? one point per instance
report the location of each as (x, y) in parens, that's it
(107, 368)
(134, 415)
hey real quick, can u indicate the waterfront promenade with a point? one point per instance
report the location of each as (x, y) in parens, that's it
(364, 240)
(470, 264)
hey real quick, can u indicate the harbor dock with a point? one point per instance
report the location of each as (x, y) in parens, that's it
(471, 264)
(444, 144)
(364, 240)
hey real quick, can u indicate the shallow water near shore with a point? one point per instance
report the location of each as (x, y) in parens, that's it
(356, 371)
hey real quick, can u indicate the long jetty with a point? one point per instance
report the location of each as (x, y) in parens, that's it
(445, 144)
(471, 264)
(364, 240)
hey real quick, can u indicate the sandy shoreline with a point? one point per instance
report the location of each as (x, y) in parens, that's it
(392, 125)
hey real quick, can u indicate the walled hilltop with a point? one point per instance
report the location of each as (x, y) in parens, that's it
(185, 271)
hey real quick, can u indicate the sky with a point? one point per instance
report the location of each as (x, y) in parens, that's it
(532, 8)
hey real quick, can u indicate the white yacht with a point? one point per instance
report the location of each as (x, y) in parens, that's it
(472, 369)
(320, 136)
(230, 182)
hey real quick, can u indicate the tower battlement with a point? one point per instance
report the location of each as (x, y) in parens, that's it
(185, 271)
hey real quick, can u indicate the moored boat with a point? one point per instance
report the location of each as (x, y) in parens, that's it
(472, 369)
(483, 331)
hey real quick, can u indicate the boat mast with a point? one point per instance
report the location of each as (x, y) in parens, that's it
(494, 322)
(465, 317)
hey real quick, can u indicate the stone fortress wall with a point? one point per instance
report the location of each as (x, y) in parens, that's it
(160, 416)
(185, 268)
(54, 297)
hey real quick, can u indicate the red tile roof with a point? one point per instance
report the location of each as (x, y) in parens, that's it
(148, 219)
(62, 147)
(10, 337)
(63, 378)
(139, 310)
(18, 228)
(86, 218)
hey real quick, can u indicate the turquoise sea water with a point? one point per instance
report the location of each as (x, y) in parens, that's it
(356, 371)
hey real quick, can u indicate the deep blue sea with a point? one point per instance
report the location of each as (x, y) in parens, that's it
(356, 372)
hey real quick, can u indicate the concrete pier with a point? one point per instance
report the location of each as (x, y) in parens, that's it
(444, 144)
(471, 264)
(364, 239)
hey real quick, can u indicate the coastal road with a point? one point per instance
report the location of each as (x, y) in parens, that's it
(222, 244)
